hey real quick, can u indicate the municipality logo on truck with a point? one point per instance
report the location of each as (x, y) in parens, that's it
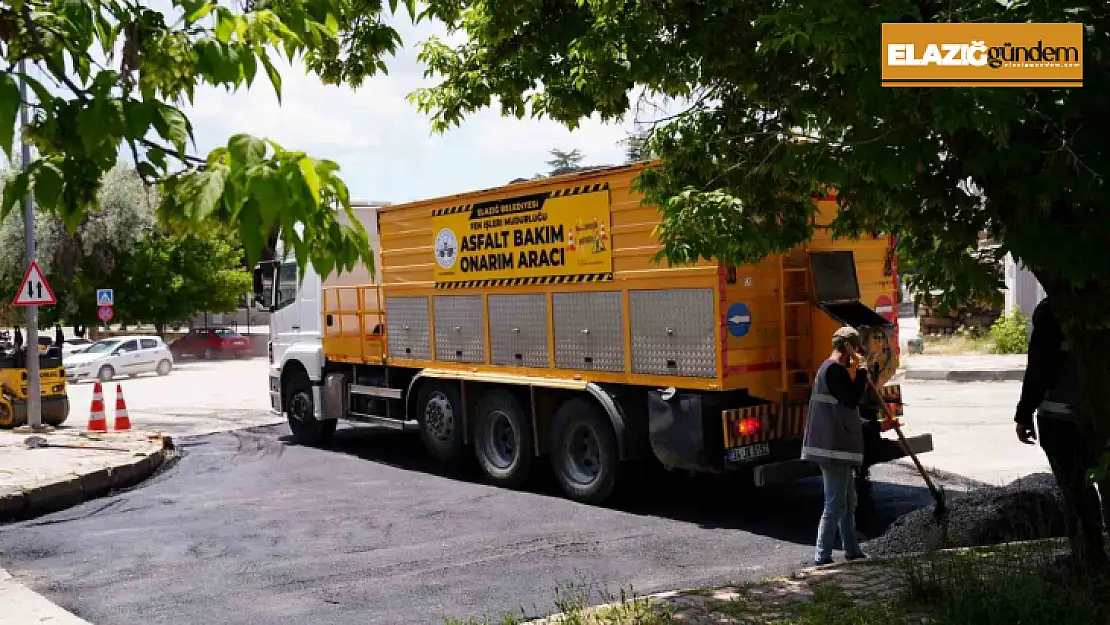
(447, 248)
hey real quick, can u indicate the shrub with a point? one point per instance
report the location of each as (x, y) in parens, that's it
(1010, 333)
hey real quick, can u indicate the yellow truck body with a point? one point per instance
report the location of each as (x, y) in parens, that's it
(550, 288)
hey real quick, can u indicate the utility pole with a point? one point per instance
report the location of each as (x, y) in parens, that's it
(34, 390)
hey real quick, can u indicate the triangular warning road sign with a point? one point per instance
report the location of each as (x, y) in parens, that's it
(34, 291)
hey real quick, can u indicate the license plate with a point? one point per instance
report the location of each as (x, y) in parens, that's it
(749, 452)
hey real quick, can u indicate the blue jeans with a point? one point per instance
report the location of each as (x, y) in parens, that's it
(840, 511)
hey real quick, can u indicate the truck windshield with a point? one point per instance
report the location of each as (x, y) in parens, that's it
(286, 284)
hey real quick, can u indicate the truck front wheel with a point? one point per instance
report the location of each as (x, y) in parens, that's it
(301, 414)
(584, 451)
(503, 440)
(441, 420)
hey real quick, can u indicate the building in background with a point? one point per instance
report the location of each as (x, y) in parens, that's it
(1023, 291)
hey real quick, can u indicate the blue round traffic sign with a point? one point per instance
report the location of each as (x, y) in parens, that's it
(739, 319)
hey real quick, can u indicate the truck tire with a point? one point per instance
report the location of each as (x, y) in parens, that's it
(584, 451)
(440, 414)
(503, 440)
(301, 415)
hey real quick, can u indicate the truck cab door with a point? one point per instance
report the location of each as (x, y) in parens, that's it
(285, 318)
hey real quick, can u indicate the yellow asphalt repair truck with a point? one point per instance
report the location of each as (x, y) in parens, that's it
(531, 320)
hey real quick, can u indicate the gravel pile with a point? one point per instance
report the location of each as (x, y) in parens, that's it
(1026, 509)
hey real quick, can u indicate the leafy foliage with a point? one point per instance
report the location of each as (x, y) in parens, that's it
(125, 69)
(158, 274)
(1010, 333)
(787, 103)
(171, 276)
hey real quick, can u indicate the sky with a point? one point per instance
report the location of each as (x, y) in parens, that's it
(386, 149)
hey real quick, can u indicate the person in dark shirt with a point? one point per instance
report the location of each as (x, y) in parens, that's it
(849, 392)
(833, 439)
(1051, 389)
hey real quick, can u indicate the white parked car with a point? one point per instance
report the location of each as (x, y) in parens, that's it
(120, 355)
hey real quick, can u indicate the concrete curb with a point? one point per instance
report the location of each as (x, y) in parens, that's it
(21, 504)
(979, 375)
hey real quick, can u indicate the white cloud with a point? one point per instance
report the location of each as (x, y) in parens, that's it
(384, 146)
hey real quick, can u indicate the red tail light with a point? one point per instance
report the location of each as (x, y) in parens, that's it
(747, 427)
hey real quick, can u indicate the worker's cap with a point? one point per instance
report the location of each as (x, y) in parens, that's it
(847, 334)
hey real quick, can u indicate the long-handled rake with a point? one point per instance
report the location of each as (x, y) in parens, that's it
(941, 510)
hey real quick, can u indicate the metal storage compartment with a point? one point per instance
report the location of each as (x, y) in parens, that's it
(460, 328)
(518, 330)
(589, 331)
(673, 332)
(407, 327)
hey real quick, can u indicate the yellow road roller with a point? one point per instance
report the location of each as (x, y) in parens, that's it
(13, 389)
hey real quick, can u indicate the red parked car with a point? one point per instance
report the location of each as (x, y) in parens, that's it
(211, 343)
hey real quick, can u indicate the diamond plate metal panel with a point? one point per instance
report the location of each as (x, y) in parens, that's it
(460, 328)
(518, 330)
(407, 328)
(673, 332)
(589, 331)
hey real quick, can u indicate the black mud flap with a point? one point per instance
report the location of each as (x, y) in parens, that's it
(676, 431)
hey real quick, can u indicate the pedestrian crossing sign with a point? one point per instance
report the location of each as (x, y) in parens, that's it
(105, 297)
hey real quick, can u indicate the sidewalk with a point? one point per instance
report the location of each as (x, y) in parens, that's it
(37, 481)
(970, 368)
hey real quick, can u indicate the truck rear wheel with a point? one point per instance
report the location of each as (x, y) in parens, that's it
(439, 411)
(503, 440)
(584, 451)
(301, 413)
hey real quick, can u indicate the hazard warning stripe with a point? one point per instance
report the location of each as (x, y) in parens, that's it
(590, 188)
(576, 279)
(568, 191)
(893, 395)
(451, 210)
(731, 417)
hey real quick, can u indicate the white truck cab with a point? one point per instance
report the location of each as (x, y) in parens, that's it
(295, 349)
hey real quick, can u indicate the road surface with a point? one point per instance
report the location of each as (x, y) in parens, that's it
(973, 429)
(248, 527)
(197, 397)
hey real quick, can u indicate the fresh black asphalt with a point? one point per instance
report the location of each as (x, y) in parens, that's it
(248, 528)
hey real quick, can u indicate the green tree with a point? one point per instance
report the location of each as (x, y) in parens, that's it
(77, 262)
(636, 146)
(159, 274)
(123, 71)
(785, 102)
(173, 275)
(563, 162)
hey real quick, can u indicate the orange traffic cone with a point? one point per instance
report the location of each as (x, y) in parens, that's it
(97, 421)
(123, 421)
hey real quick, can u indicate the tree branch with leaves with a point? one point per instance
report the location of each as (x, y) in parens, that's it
(113, 75)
